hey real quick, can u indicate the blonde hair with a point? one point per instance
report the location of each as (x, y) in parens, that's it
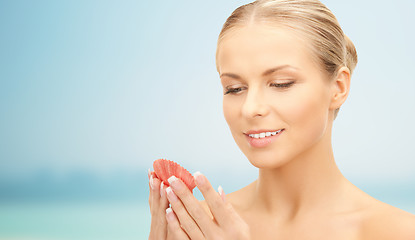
(311, 18)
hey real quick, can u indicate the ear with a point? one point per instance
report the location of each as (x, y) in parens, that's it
(340, 88)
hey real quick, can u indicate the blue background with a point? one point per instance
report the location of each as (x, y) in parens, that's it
(92, 92)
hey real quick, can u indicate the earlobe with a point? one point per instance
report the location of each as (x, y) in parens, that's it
(340, 88)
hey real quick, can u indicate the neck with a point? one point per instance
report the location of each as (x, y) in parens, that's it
(307, 182)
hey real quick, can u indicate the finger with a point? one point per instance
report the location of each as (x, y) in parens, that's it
(193, 206)
(220, 209)
(159, 196)
(174, 229)
(158, 219)
(154, 193)
(155, 184)
(150, 195)
(222, 194)
(228, 205)
(186, 221)
(149, 187)
(155, 196)
(158, 228)
(164, 203)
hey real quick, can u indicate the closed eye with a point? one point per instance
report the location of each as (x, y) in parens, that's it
(278, 85)
(233, 90)
(282, 85)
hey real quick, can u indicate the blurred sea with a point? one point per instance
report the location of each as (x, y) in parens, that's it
(54, 221)
(84, 206)
(81, 205)
(117, 220)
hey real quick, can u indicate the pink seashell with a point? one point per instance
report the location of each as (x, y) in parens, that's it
(164, 169)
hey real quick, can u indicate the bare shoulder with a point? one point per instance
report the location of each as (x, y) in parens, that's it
(383, 221)
(240, 199)
(237, 198)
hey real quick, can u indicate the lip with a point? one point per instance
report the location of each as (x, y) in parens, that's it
(262, 142)
(260, 131)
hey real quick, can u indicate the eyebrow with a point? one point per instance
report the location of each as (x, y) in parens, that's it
(266, 73)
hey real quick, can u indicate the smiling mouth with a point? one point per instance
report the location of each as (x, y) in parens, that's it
(264, 134)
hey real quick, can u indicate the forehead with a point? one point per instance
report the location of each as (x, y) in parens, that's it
(255, 47)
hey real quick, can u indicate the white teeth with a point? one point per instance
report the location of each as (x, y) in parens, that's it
(264, 134)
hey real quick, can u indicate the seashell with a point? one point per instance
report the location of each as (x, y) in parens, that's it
(164, 169)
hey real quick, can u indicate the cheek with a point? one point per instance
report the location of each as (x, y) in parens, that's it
(232, 114)
(306, 115)
(230, 111)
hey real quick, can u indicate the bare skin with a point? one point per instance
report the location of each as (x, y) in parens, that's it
(361, 217)
(300, 193)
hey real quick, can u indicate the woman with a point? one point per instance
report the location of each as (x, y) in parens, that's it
(285, 67)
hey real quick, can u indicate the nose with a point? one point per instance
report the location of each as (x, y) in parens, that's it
(255, 104)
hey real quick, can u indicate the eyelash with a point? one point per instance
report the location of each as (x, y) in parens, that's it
(278, 85)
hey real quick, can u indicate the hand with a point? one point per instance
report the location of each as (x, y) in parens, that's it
(158, 205)
(188, 220)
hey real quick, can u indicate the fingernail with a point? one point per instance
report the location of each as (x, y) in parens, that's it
(161, 189)
(170, 215)
(198, 178)
(220, 190)
(170, 194)
(151, 182)
(221, 193)
(173, 182)
(149, 173)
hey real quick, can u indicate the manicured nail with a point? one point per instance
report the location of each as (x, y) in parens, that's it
(149, 173)
(220, 190)
(199, 178)
(151, 182)
(170, 215)
(173, 182)
(170, 194)
(161, 189)
(221, 193)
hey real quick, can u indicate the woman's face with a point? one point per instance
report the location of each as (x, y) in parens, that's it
(271, 84)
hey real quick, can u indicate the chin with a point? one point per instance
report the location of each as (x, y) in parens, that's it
(267, 159)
